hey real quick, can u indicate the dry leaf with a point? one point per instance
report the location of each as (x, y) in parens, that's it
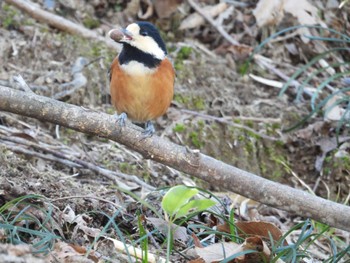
(216, 252)
(80, 222)
(64, 252)
(303, 11)
(149, 11)
(254, 243)
(197, 260)
(134, 251)
(253, 228)
(271, 12)
(195, 19)
(333, 112)
(261, 229)
(268, 12)
(326, 145)
(165, 8)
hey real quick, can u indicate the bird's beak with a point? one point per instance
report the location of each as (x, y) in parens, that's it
(120, 35)
(127, 35)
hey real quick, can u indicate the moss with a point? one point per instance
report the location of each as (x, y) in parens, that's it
(194, 137)
(249, 123)
(9, 18)
(201, 125)
(179, 66)
(179, 128)
(182, 99)
(127, 168)
(91, 23)
(110, 110)
(183, 54)
(198, 103)
(250, 147)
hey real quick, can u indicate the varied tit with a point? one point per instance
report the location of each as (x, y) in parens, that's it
(141, 77)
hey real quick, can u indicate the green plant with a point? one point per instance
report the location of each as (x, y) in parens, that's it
(331, 97)
(9, 19)
(178, 202)
(26, 220)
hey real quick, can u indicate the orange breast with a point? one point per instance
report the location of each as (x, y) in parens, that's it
(142, 97)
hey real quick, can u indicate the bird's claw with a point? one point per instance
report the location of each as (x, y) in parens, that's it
(149, 129)
(121, 119)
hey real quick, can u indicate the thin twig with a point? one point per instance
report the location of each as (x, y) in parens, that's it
(199, 165)
(59, 22)
(71, 161)
(21, 82)
(87, 197)
(218, 27)
(260, 59)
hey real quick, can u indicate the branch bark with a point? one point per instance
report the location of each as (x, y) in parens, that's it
(178, 157)
(59, 22)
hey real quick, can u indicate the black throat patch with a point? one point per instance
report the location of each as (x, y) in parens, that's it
(130, 53)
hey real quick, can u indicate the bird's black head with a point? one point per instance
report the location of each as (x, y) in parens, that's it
(142, 36)
(148, 29)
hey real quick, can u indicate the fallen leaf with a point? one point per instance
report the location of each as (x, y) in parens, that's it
(255, 243)
(196, 241)
(327, 144)
(64, 252)
(195, 19)
(271, 12)
(252, 228)
(332, 110)
(217, 251)
(261, 229)
(165, 8)
(268, 12)
(134, 251)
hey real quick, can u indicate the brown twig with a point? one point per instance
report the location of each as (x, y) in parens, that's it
(86, 197)
(218, 27)
(68, 160)
(199, 165)
(59, 22)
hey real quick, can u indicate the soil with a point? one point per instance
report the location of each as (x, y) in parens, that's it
(207, 85)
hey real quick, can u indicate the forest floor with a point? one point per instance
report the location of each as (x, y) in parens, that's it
(216, 109)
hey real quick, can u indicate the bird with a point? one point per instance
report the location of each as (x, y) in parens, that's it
(141, 76)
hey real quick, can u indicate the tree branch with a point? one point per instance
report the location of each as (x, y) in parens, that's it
(219, 28)
(59, 22)
(168, 153)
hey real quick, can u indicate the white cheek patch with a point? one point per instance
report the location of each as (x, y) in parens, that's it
(148, 45)
(145, 43)
(133, 28)
(136, 68)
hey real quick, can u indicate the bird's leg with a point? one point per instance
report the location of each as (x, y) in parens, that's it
(121, 119)
(149, 129)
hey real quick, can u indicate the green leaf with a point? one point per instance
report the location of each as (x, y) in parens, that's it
(176, 198)
(195, 206)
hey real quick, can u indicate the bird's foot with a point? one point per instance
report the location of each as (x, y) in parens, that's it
(149, 129)
(121, 119)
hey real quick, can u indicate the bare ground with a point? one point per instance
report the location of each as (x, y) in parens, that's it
(206, 83)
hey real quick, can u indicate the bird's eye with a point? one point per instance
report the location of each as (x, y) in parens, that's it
(143, 33)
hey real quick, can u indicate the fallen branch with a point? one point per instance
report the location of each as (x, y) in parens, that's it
(16, 144)
(191, 162)
(59, 22)
(218, 27)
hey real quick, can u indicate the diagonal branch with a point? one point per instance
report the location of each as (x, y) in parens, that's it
(178, 157)
(59, 22)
